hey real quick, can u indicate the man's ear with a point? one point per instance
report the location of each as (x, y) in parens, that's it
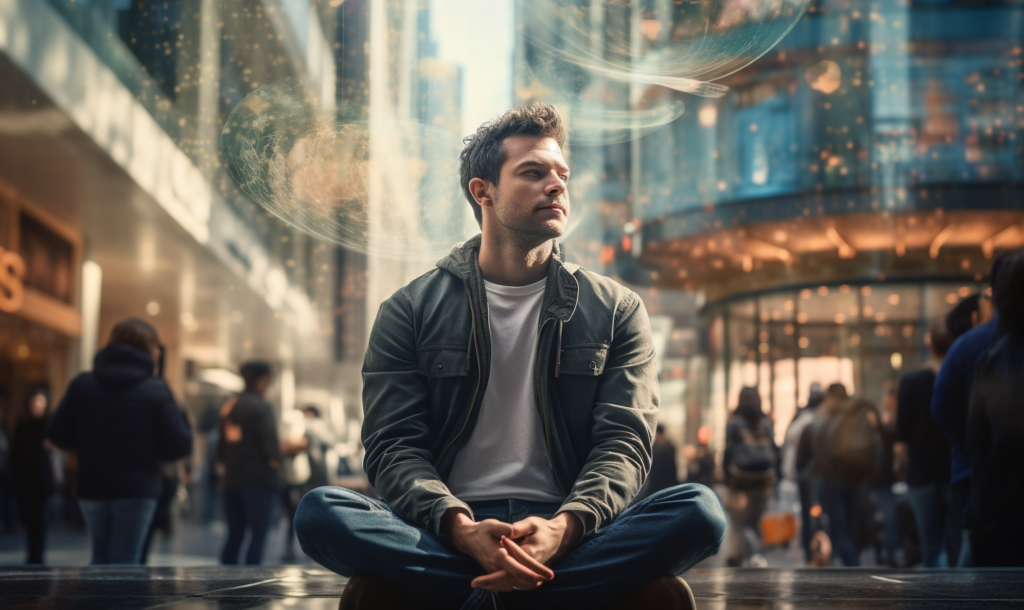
(481, 190)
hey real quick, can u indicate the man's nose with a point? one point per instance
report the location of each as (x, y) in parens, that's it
(555, 186)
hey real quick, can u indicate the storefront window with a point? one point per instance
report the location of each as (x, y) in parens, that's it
(862, 336)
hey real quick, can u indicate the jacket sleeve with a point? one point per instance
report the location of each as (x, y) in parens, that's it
(624, 417)
(730, 443)
(949, 391)
(269, 440)
(174, 435)
(979, 435)
(805, 448)
(905, 415)
(63, 424)
(770, 431)
(396, 431)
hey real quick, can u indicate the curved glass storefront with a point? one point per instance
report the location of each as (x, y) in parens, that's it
(864, 336)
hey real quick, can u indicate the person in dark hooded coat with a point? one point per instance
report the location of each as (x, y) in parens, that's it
(32, 476)
(122, 421)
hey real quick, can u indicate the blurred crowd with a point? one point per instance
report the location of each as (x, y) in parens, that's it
(120, 456)
(928, 477)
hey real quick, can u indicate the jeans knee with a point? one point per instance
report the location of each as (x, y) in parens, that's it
(309, 513)
(710, 514)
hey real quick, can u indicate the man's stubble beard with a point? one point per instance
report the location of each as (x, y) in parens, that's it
(523, 235)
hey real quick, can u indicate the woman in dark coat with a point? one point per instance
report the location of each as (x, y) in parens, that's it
(32, 472)
(122, 421)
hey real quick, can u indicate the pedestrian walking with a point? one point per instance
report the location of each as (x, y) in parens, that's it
(751, 464)
(881, 483)
(927, 449)
(801, 475)
(700, 460)
(122, 421)
(308, 469)
(251, 455)
(951, 399)
(32, 471)
(995, 431)
(843, 447)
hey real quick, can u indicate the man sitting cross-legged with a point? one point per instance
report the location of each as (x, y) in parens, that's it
(510, 401)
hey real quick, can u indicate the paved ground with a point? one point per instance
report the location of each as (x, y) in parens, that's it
(307, 588)
(194, 544)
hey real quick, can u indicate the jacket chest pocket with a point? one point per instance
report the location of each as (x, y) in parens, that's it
(584, 359)
(437, 363)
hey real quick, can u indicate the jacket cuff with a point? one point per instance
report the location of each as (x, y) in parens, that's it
(438, 510)
(583, 513)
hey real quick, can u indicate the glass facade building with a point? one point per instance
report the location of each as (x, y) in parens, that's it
(853, 183)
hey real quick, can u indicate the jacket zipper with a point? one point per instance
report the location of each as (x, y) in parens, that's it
(544, 411)
(479, 379)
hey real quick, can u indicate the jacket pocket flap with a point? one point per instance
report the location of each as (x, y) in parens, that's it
(584, 360)
(442, 363)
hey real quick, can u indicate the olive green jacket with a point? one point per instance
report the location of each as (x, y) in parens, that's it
(426, 369)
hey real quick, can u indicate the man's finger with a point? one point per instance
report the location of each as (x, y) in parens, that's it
(522, 528)
(496, 528)
(502, 581)
(519, 571)
(498, 581)
(517, 553)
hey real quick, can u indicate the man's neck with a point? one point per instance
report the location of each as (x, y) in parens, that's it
(514, 262)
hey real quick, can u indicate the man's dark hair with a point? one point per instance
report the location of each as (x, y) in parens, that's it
(960, 319)
(1008, 293)
(136, 333)
(253, 371)
(939, 338)
(311, 409)
(998, 265)
(660, 429)
(484, 151)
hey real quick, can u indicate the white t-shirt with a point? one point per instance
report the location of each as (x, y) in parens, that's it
(505, 455)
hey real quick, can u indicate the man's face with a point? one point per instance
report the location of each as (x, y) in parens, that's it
(531, 197)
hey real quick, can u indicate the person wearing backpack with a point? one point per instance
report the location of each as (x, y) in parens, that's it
(845, 446)
(751, 466)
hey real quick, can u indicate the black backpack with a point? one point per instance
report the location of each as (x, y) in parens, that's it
(753, 459)
(849, 442)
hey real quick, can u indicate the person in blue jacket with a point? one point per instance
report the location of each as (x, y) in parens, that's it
(122, 421)
(951, 399)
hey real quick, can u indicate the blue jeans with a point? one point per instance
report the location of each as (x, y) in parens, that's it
(118, 528)
(667, 533)
(885, 502)
(933, 518)
(842, 503)
(249, 510)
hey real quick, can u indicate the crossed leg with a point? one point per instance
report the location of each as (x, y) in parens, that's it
(667, 533)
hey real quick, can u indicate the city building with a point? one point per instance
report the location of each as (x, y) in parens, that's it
(115, 200)
(852, 184)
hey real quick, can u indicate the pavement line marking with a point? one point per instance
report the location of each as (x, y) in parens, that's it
(178, 599)
(252, 584)
(901, 582)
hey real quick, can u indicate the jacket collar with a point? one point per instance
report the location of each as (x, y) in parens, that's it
(562, 291)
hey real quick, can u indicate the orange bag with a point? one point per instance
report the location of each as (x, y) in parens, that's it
(777, 528)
